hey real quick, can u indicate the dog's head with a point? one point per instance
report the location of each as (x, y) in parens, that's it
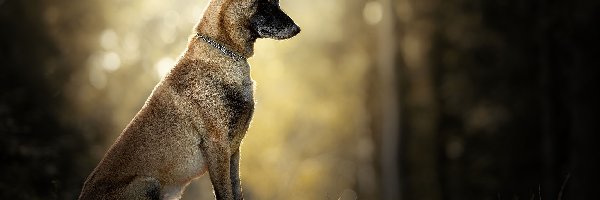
(238, 23)
(269, 21)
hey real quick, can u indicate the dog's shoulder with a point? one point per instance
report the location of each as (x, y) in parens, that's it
(191, 75)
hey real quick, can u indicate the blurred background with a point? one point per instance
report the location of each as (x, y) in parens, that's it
(375, 99)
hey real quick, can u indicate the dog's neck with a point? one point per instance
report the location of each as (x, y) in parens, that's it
(224, 49)
(215, 26)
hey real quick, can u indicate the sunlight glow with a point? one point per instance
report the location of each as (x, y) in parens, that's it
(163, 66)
(111, 61)
(97, 78)
(373, 12)
(109, 39)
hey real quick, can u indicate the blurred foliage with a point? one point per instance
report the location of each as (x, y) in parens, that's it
(383, 99)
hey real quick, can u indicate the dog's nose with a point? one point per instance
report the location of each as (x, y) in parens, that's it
(289, 32)
(293, 30)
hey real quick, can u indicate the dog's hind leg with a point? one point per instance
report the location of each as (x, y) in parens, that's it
(146, 188)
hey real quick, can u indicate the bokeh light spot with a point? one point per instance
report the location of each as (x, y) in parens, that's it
(97, 78)
(111, 61)
(373, 12)
(168, 28)
(163, 66)
(109, 39)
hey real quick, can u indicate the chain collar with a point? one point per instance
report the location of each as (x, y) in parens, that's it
(222, 48)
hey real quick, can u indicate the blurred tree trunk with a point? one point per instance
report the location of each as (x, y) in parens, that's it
(554, 113)
(388, 102)
(574, 40)
(420, 111)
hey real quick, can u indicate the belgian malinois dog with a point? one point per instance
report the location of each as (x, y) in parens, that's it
(196, 117)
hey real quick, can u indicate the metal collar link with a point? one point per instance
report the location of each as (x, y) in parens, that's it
(221, 47)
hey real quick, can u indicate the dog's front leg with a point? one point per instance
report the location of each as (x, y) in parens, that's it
(217, 155)
(235, 175)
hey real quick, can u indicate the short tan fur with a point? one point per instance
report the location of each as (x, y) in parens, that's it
(196, 117)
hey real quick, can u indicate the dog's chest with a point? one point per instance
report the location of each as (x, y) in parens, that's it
(238, 100)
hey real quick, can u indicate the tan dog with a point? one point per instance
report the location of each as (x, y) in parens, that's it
(196, 117)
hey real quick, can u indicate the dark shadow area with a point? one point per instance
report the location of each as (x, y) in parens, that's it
(43, 152)
(512, 102)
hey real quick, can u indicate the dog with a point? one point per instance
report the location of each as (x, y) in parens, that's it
(197, 115)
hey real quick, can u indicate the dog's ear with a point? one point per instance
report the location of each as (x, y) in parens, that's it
(269, 21)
